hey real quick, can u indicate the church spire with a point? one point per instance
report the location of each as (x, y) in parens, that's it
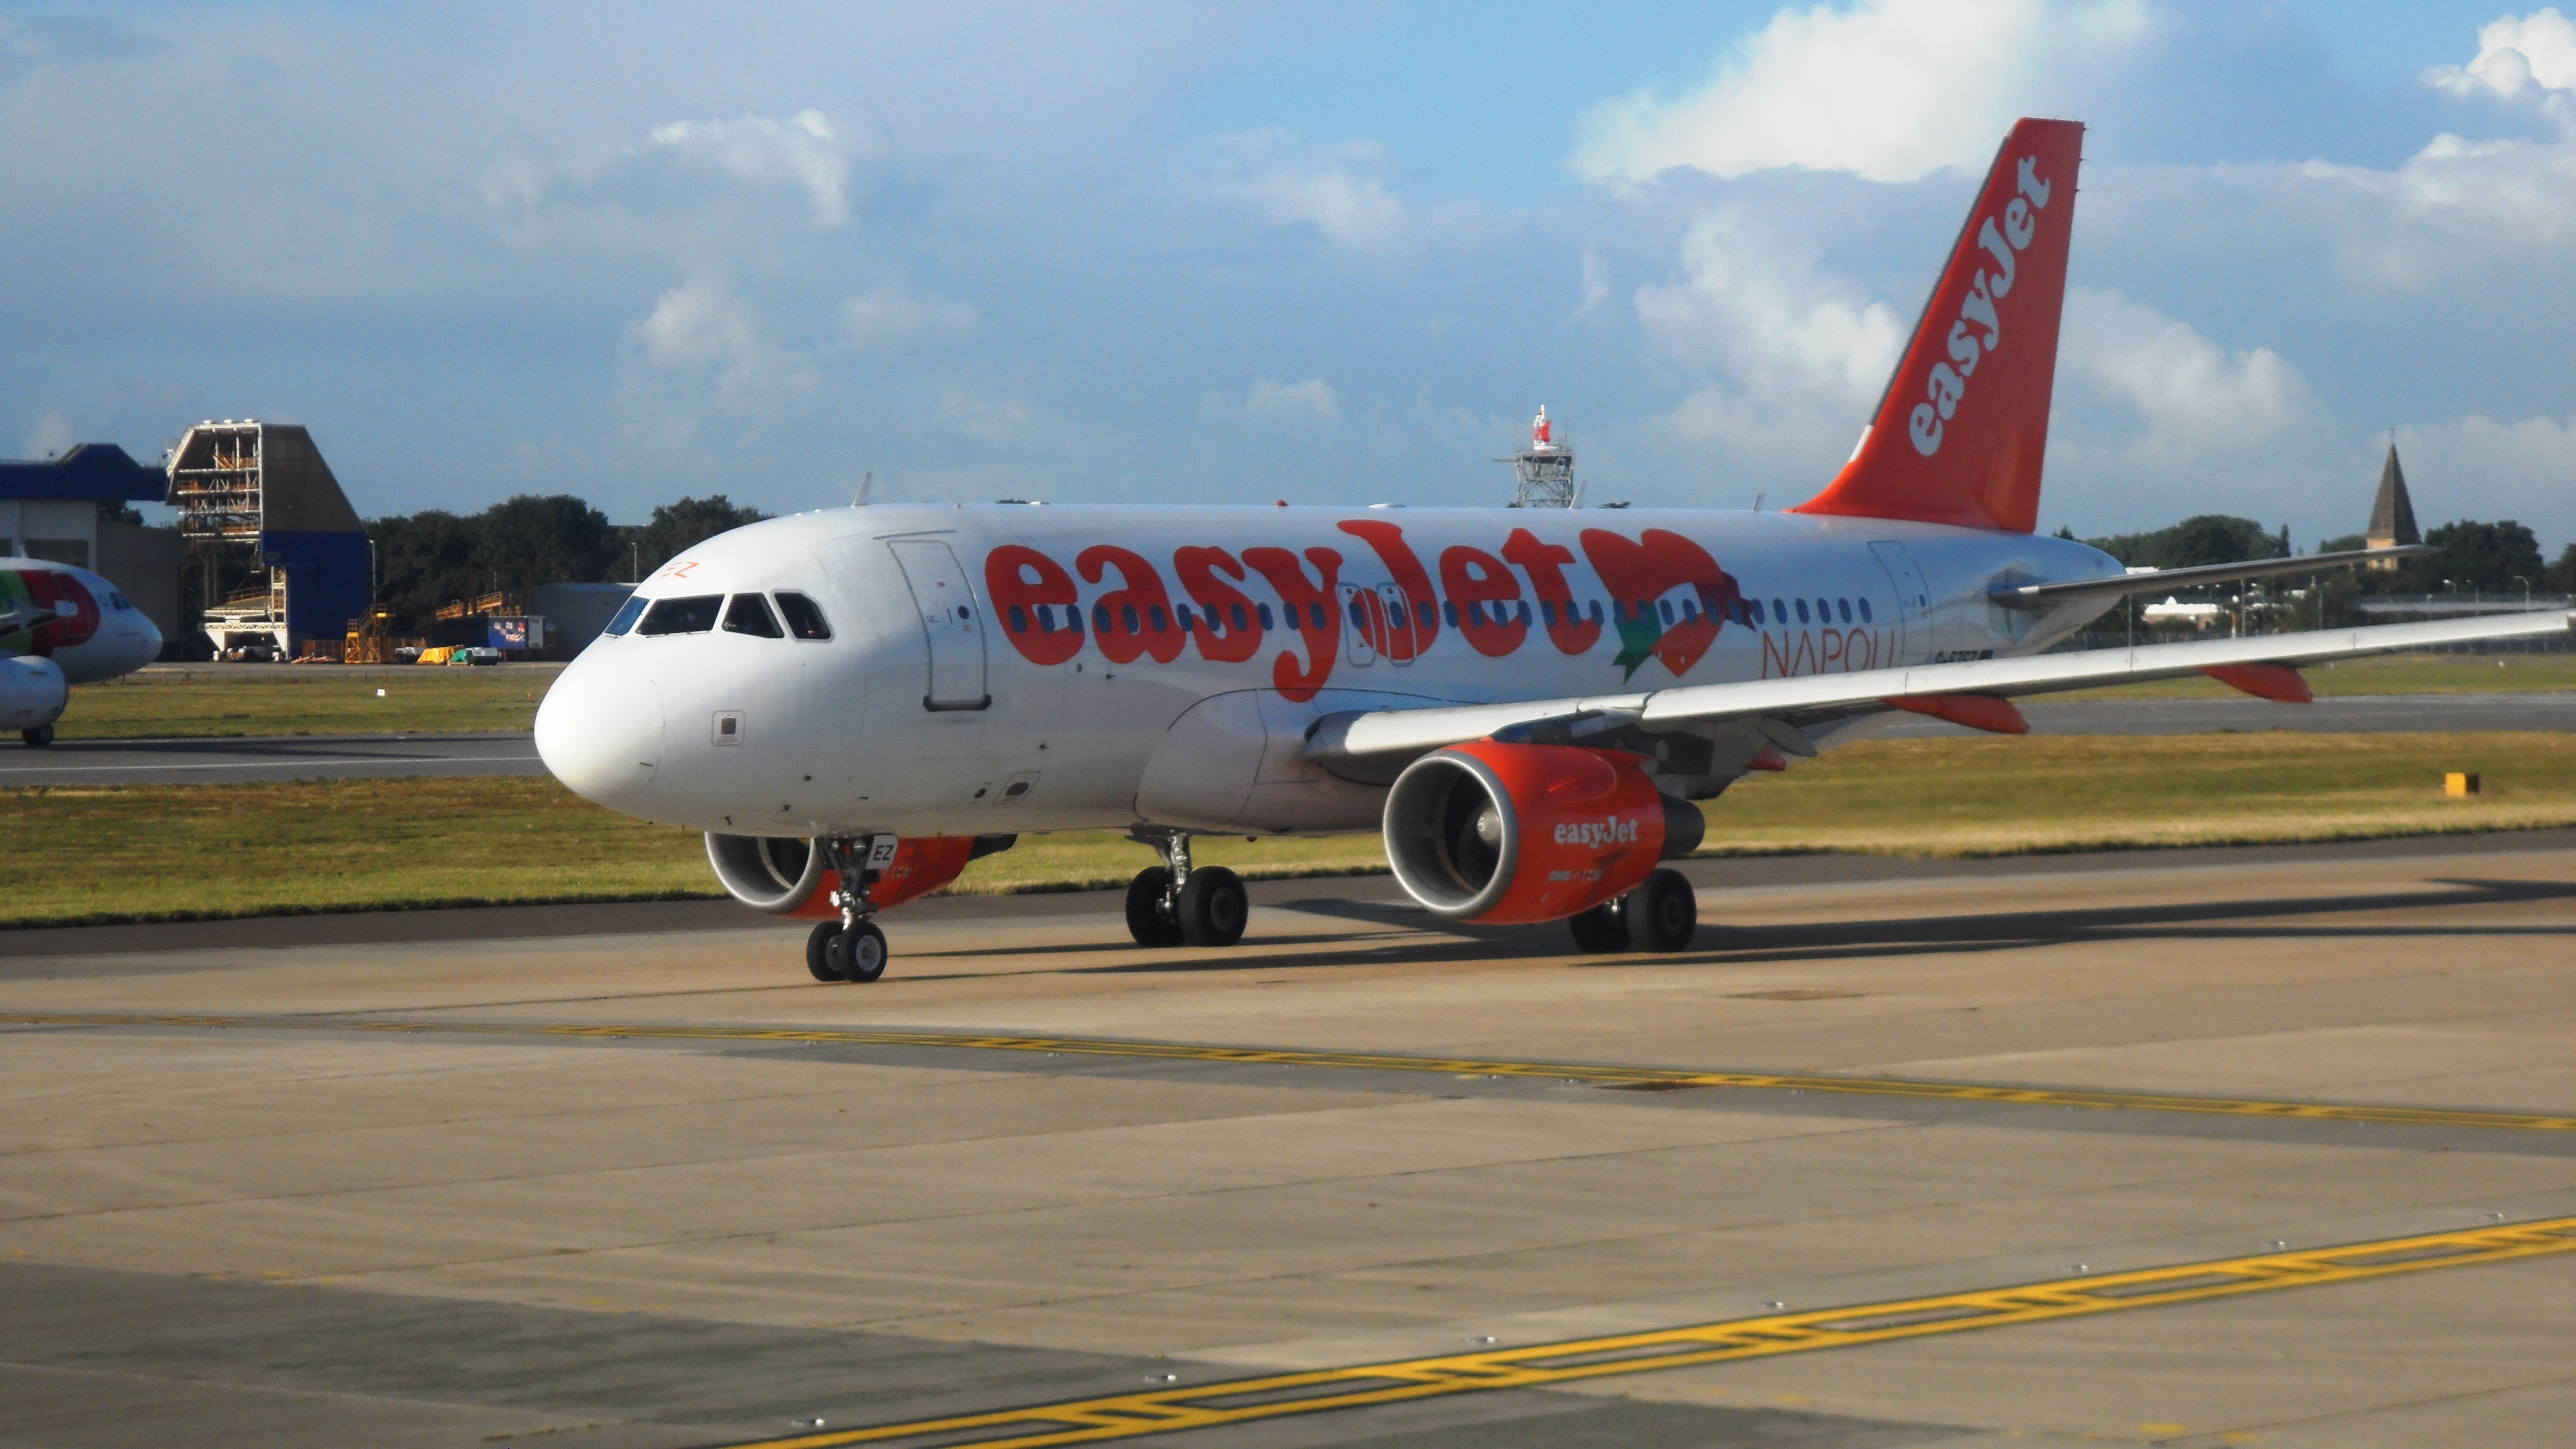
(2392, 516)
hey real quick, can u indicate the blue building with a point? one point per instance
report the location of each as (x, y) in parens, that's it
(51, 509)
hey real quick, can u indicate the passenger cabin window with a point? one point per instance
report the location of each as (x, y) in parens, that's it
(804, 621)
(749, 614)
(626, 617)
(695, 614)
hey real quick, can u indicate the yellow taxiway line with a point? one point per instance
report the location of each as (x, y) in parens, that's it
(1639, 1078)
(1271, 1396)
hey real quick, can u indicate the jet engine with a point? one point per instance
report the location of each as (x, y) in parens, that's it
(32, 692)
(787, 876)
(1512, 834)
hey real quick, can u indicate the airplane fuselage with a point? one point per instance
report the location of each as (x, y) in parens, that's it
(1021, 668)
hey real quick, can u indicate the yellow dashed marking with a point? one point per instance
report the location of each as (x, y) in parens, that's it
(1637, 1078)
(1272, 1396)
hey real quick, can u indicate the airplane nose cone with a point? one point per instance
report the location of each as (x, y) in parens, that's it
(600, 732)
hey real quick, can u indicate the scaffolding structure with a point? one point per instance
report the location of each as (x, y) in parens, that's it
(1544, 469)
(282, 555)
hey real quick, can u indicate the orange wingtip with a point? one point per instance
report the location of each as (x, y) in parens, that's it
(1977, 711)
(2278, 682)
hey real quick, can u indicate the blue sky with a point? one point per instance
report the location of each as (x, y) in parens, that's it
(1243, 251)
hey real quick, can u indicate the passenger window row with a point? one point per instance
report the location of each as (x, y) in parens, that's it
(1047, 618)
(747, 614)
(1153, 619)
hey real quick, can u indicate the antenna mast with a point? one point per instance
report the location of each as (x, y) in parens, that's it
(1545, 469)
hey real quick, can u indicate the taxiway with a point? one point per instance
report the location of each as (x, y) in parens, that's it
(2266, 1146)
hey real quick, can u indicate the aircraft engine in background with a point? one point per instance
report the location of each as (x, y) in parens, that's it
(1511, 834)
(32, 692)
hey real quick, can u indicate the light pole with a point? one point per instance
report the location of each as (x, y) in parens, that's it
(2526, 592)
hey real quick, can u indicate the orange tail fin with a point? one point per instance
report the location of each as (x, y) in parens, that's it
(1963, 430)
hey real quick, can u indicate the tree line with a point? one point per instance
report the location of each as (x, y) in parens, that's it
(427, 559)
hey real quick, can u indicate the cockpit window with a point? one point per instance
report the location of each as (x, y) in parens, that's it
(695, 614)
(627, 616)
(749, 614)
(803, 619)
(117, 602)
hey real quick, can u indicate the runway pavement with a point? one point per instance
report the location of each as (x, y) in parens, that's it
(292, 757)
(343, 757)
(2269, 1147)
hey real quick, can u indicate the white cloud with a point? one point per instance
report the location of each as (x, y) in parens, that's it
(2520, 56)
(2480, 468)
(702, 325)
(2459, 215)
(1334, 189)
(1890, 89)
(987, 420)
(1273, 401)
(1596, 283)
(2196, 397)
(801, 150)
(1788, 359)
(891, 316)
(52, 434)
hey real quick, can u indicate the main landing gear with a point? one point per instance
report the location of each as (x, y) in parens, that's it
(1660, 915)
(851, 948)
(1172, 904)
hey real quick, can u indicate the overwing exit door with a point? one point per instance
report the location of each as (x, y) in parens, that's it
(1913, 600)
(951, 623)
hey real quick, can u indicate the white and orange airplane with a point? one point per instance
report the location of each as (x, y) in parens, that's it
(853, 704)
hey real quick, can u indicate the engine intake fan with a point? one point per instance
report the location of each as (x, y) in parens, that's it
(1513, 834)
(773, 873)
(787, 876)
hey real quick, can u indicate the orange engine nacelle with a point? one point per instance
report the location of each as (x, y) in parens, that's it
(1514, 834)
(785, 876)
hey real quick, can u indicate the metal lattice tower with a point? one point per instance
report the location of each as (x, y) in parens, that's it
(1545, 469)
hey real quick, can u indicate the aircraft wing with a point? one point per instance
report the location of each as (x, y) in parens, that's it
(2156, 581)
(1369, 742)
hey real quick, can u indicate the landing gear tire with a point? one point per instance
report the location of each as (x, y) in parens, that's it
(859, 953)
(1213, 907)
(1662, 914)
(39, 737)
(818, 952)
(1599, 929)
(1145, 919)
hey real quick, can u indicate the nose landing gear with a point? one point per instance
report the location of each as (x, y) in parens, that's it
(852, 948)
(1172, 904)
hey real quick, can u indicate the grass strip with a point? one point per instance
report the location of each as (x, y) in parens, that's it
(219, 700)
(207, 701)
(176, 852)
